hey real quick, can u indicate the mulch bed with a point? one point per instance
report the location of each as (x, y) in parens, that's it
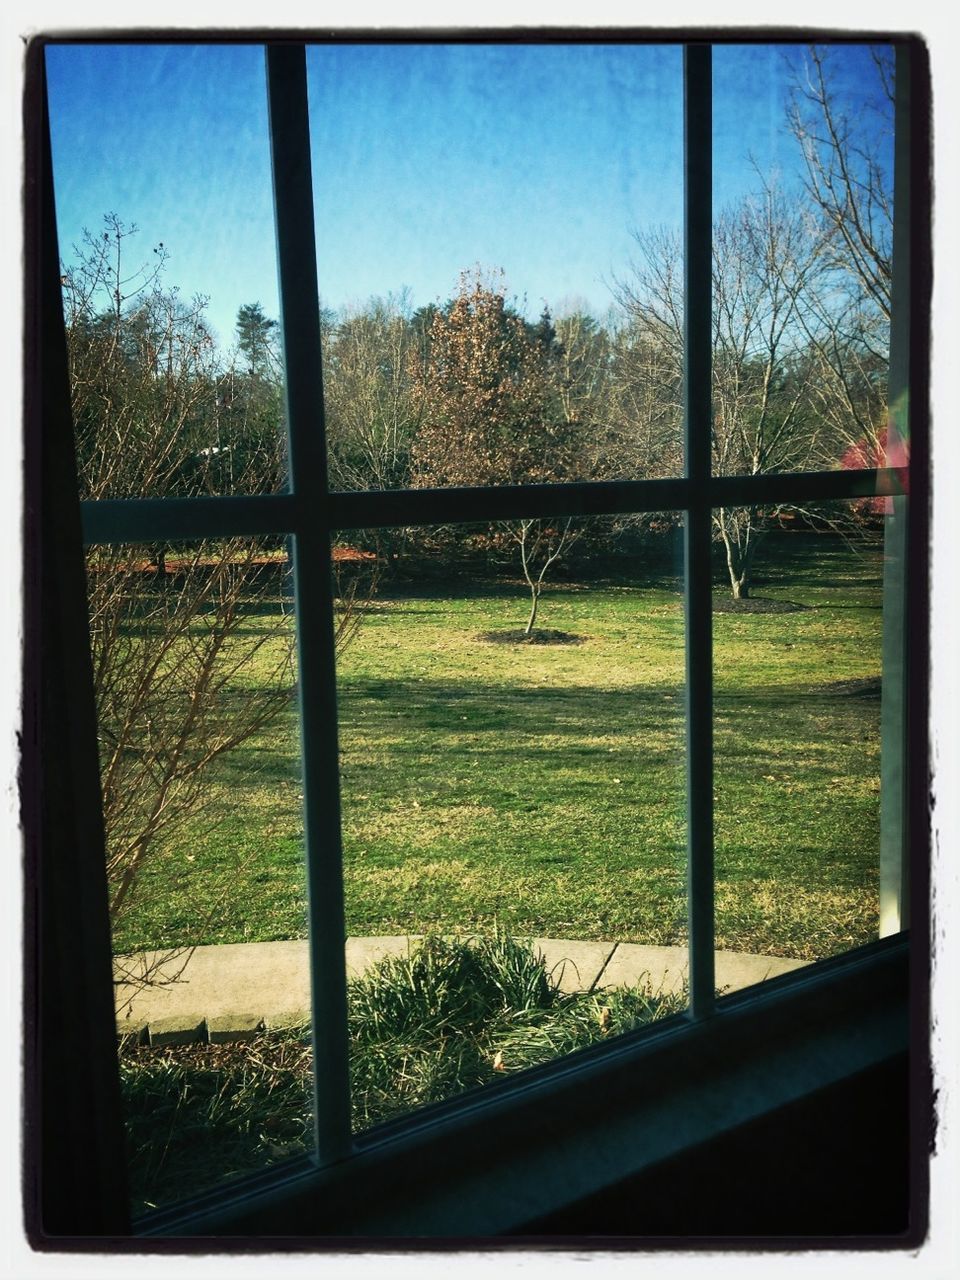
(755, 604)
(539, 636)
(277, 559)
(280, 1052)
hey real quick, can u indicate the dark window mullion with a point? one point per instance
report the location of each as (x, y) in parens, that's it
(698, 603)
(894, 754)
(75, 1174)
(398, 507)
(313, 586)
(118, 520)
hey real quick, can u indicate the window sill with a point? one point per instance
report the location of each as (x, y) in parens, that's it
(489, 1162)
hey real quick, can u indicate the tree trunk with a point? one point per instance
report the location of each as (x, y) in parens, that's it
(739, 544)
(534, 592)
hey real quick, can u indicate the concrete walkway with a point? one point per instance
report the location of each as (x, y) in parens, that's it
(233, 991)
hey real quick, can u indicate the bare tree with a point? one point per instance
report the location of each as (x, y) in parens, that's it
(541, 543)
(370, 409)
(763, 261)
(143, 373)
(645, 439)
(180, 678)
(847, 150)
(156, 411)
(602, 397)
(371, 416)
(848, 159)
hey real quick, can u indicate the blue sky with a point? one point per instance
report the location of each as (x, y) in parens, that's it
(540, 160)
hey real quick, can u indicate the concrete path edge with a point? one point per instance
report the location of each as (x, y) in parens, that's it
(237, 990)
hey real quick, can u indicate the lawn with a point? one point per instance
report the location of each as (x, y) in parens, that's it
(539, 788)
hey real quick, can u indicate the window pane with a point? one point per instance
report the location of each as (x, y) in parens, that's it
(165, 223)
(477, 209)
(194, 679)
(511, 799)
(800, 689)
(803, 218)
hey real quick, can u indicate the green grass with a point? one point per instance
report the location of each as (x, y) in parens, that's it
(451, 1016)
(541, 787)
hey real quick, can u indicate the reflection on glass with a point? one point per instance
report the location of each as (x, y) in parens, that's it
(194, 676)
(798, 694)
(480, 322)
(513, 801)
(165, 223)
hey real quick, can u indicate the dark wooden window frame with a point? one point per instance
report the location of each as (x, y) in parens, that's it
(528, 1147)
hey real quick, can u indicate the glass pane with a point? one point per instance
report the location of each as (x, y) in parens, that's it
(476, 215)
(803, 219)
(514, 833)
(803, 675)
(194, 680)
(165, 223)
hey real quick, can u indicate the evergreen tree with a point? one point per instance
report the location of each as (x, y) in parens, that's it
(255, 340)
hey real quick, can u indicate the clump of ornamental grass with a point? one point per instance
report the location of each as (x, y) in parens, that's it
(451, 1015)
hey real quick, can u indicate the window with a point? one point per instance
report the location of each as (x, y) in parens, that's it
(780, 1033)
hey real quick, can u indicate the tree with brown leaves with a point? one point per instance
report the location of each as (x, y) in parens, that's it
(488, 415)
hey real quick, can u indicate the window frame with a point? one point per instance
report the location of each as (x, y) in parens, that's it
(867, 986)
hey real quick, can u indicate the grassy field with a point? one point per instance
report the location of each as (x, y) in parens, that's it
(539, 788)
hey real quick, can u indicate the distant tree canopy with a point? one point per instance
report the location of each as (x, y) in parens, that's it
(370, 410)
(143, 373)
(158, 410)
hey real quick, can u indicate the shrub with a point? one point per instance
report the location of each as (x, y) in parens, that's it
(451, 1015)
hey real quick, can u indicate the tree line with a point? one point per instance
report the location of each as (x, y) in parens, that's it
(469, 392)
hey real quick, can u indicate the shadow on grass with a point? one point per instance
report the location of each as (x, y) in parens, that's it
(585, 728)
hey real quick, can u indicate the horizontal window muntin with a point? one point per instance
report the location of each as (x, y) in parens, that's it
(130, 520)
